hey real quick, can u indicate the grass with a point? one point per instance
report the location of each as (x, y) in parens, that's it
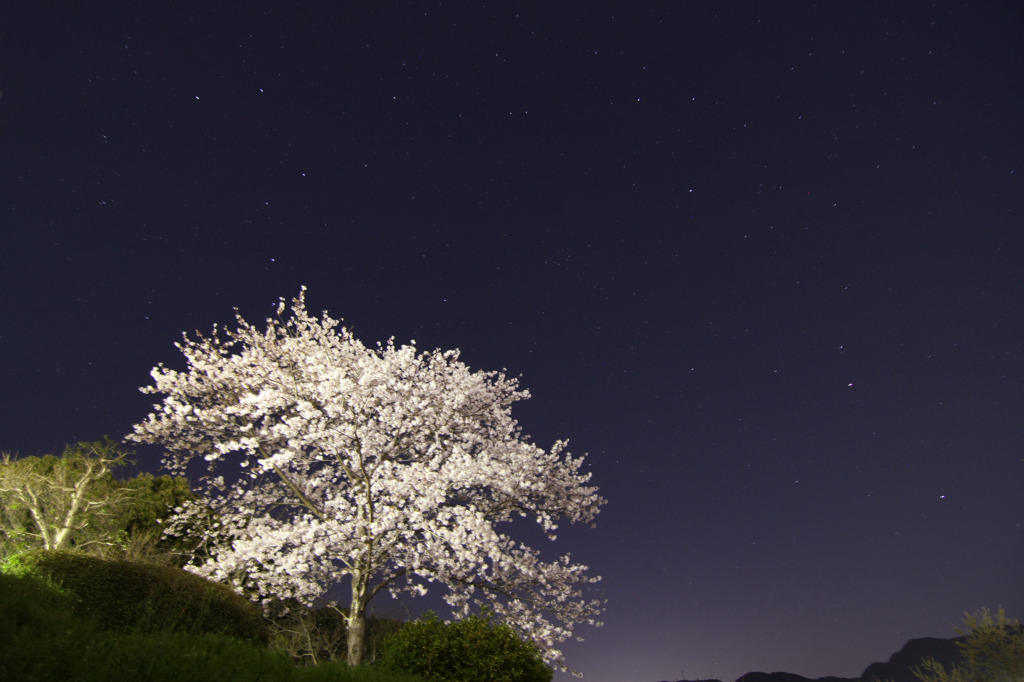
(45, 635)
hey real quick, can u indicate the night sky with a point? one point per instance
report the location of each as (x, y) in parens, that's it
(764, 262)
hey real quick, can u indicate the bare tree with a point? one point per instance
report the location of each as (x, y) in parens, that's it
(61, 502)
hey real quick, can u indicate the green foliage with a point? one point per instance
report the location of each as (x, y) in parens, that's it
(147, 503)
(44, 640)
(151, 498)
(74, 502)
(60, 502)
(470, 650)
(15, 524)
(31, 602)
(125, 595)
(993, 651)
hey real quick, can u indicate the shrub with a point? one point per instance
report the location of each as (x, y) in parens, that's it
(470, 650)
(42, 639)
(29, 603)
(124, 595)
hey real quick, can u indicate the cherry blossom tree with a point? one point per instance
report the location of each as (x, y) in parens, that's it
(387, 467)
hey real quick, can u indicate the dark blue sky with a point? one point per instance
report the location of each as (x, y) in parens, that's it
(764, 263)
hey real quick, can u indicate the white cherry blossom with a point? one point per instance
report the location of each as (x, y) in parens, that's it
(388, 468)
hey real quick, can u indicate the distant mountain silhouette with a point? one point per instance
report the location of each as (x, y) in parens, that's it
(899, 668)
(789, 677)
(900, 665)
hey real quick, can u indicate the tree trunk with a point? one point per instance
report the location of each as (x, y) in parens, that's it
(63, 537)
(356, 638)
(356, 622)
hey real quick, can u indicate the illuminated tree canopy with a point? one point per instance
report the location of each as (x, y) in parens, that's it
(388, 467)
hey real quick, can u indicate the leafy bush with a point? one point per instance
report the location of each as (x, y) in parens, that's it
(123, 595)
(44, 639)
(31, 603)
(470, 650)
